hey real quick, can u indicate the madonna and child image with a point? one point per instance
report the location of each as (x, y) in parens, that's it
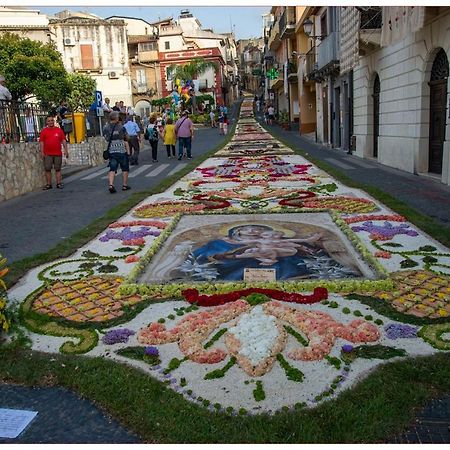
(221, 251)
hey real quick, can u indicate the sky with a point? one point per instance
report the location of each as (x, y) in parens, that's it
(247, 20)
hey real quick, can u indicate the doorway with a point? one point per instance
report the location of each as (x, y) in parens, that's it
(376, 114)
(438, 111)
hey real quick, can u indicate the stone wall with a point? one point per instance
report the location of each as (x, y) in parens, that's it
(21, 167)
(404, 70)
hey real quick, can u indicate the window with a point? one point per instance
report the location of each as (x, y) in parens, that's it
(147, 46)
(323, 24)
(141, 77)
(87, 56)
(169, 75)
(167, 45)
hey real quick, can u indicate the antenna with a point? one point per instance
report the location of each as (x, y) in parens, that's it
(231, 25)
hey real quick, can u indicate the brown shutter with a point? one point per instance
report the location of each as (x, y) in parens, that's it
(87, 56)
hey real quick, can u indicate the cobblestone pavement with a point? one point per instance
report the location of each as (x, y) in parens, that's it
(63, 417)
(424, 193)
(431, 425)
(57, 214)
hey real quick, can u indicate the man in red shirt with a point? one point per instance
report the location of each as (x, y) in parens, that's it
(51, 139)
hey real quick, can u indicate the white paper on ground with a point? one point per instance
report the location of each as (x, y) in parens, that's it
(14, 421)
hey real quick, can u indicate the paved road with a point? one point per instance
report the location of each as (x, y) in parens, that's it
(63, 417)
(36, 222)
(423, 193)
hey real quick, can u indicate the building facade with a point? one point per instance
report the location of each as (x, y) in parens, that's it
(401, 93)
(97, 47)
(181, 41)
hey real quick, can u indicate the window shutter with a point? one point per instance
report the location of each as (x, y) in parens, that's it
(87, 56)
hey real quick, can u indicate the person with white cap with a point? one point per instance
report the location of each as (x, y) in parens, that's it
(5, 95)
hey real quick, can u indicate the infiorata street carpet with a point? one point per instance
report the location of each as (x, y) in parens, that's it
(339, 284)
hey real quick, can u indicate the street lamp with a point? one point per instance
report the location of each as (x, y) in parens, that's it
(308, 28)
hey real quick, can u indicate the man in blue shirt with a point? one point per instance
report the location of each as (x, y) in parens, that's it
(134, 138)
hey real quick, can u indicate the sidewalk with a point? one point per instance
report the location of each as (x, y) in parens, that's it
(423, 193)
(42, 219)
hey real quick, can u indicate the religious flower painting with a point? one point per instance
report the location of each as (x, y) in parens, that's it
(221, 249)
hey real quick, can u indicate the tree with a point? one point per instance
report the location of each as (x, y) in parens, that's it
(32, 68)
(191, 71)
(82, 91)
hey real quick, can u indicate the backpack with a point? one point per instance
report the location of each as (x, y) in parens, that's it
(153, 134)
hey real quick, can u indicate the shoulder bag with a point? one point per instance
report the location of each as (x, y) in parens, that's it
(106, 152)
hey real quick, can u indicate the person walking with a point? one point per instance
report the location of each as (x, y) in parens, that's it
(212, 118)
(115, 134)
(271, 114)
(134, 139)
(51, 139)
(221, 121)
(184, 129)
(170, 138)
(153, 137)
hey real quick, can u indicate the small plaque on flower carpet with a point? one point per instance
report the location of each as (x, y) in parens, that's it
(259, 275)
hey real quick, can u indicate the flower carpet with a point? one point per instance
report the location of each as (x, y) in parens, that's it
(348, 284)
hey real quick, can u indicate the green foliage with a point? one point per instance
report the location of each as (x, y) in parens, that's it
(82, 89)
(283, 117)
(292, 373)
(191, 70)
(259, 393)
(220, 373)
(162, 101)
(33, 68)
(372, 352)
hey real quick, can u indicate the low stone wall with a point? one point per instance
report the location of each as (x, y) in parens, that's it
(21, 168)
(89, 153)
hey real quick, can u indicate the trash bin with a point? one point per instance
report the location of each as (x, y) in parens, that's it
(78, 133)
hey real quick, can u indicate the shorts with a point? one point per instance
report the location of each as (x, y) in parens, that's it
(50, 161)
(117, 159)
(271, 116)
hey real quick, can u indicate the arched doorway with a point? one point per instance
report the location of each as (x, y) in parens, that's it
(376, 114)
(438, 109)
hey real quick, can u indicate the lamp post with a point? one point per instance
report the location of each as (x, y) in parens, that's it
(308, 29)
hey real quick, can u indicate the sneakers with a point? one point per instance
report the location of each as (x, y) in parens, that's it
(189, 157)
(179, 158)
(155, 161)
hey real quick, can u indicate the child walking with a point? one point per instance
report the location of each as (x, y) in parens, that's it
(170, 138)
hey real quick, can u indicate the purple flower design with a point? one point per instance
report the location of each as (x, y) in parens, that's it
(400, 331)
(127, 234)
(117, 335)
(151, 351)
(347, 348)
(385, 232)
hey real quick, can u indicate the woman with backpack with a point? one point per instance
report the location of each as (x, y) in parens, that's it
(153, 137)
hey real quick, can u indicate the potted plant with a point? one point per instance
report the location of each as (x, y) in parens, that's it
(283, 120)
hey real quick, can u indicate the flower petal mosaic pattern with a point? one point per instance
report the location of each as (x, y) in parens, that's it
(255, 283)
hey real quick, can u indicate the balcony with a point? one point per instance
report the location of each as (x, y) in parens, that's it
(328, 54)
(292, 71)
(274, 36)
(370, 30)
(287, 22)
(310, 68)
(148, 56)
